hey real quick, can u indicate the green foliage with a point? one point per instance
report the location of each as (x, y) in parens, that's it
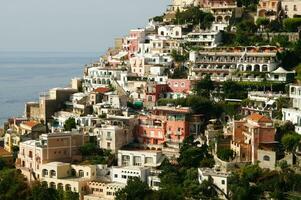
(178, 57)
(93, 155)
(195, 16)
(70, 124)
(262, 21)
(233, 90)
(204, 87)
(251, 4)
(291, 58)
(134, 190)
(13, 185)
(225, 154)
(88, 149)
(158, 19)
(281, 40)
(179, 73)
(41, 191)
(292, 24)
(290, 141)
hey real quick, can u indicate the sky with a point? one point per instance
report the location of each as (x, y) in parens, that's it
(71, 25)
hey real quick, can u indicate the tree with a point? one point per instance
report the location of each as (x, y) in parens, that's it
(232, 90)
(13, 185)
(41, 191)
(88, 149)
(290, 141)
(70, 124)
(225, 154)
(292, 24)
(134, 190)
(204, 87)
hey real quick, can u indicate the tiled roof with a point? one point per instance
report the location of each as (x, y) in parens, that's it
(4, 153)
(259, 118)
(31, 123)
(102, 90)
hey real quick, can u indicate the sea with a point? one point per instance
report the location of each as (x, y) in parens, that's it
(25, 75)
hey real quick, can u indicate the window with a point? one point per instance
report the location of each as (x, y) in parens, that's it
(223, 182)
(108, 145)
(115, 175)
(266, 158)
(81, 173)
(149, 160)
(137, 161)
(123, 176)
(295, 8)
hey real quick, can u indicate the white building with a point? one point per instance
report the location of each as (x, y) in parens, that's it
(220, 179)
(100, 190)
(172, 31)
(122, 174)
(207, 39)
(141, 158)
(294, 114)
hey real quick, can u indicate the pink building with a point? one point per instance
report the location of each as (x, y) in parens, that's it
(249, 133)
(179, 85)
(165, 125)
(153, 92)
(131, 43)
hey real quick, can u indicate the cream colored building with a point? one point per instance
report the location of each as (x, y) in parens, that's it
(103, 190)
(291, 7)
(49, 148)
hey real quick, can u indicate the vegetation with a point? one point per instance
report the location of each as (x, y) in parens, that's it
(194, 16)
(292, 24)
(158, 19)
(93, 155)
(252, 182)
(70, 124)
(291, 58)
(204, 87)
(225, 154)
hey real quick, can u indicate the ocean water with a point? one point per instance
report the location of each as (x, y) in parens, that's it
(25, 75)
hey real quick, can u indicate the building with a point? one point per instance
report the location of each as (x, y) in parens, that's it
(248, 134)
(205, 39)
(140, 158)
(122, 174)
(264, 103)
(49, 148)
(220, 179)
(172, 31)
(268, 9)
(234, 63)
(113, 136)
(101, 190)
(294, 114)
(291, 8)
(75, 178)
(178, 88)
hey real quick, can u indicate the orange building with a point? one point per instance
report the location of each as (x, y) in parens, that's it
(249, 133)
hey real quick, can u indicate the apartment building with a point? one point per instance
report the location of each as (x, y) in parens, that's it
(49, 148)
(101, 190)
(123, 174)
(205, 39)
(291, 7)
(223, 63)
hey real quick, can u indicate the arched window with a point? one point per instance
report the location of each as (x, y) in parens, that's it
(44, 172)
(266, 158)
(68, 187)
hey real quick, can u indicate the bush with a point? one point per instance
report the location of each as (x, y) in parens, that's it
(291, 24)
(225, 154)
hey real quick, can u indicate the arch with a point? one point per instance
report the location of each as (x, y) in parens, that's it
(249, 68)
(52, 173)
(266, 158)
(52, 185)
(162, 33)
(60, 186)
(219, 18)
(256, 68)
(227, 18)
(67, 187)
(264, 68)
(261, 13)
(44, 172)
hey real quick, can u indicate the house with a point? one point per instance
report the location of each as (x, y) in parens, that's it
(220, 179)
(268, 9)
(33, 127)
(294, 114)
(139, 157)
(48, 148)
(122, 174)
(205, 39)
(112, 136)
(291, 8)
(248, 134)
(59, 175)
(172, 31)
(178, 88)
